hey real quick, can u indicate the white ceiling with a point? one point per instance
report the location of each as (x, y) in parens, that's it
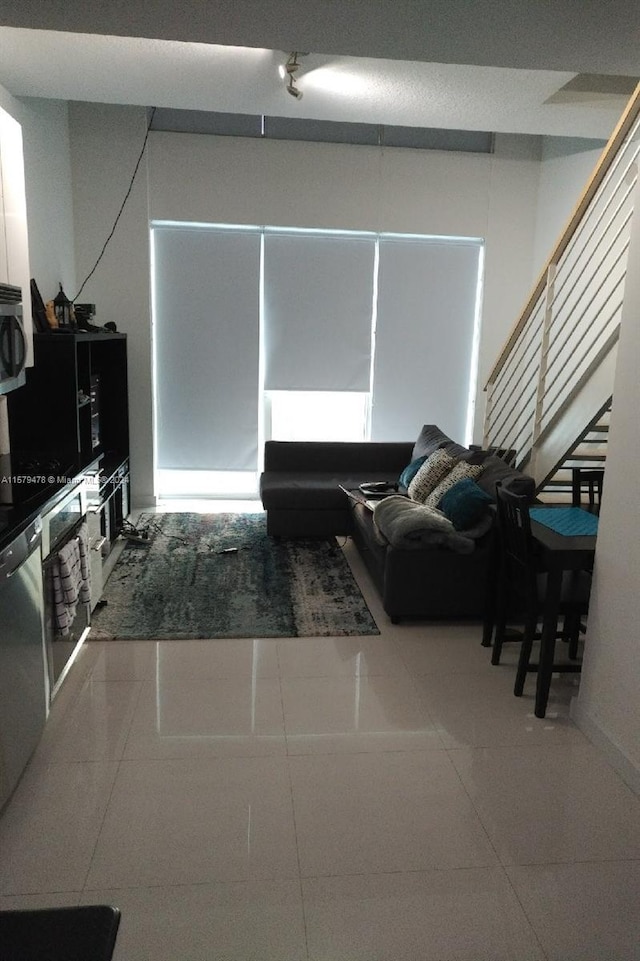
(494, 71)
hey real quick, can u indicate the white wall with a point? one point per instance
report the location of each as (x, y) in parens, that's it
(562, 168)
(566, 166)
(299, 184)
(512, 194)
(47, 156)
(608, 706)
(106, 145)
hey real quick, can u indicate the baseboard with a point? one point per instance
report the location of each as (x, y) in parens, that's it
(615, 755)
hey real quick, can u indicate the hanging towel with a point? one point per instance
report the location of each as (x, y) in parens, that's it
(71, 579)
(85, 564)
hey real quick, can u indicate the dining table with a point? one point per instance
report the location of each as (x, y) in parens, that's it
(560, 548)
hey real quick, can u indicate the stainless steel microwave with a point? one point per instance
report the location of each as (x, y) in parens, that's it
(13, 348)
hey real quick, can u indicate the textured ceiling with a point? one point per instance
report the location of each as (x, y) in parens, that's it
(582, 36)
(408, 62)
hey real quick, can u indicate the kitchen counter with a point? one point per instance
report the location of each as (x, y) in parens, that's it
(14, 518)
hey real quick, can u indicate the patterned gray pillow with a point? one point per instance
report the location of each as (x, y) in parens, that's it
(460, 470)
(435, 468)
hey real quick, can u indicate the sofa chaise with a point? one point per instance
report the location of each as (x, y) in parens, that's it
(300, 484)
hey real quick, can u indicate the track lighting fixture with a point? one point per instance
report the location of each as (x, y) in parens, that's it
(288, 72)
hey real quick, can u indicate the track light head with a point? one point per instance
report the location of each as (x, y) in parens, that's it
(288, 72)
(292, 63)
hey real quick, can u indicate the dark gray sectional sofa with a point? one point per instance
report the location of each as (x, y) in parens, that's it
(301, 495)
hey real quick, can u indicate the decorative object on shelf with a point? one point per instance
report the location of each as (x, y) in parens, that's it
(38, 310)
(85, 316)
(64, 309)
(50, 314)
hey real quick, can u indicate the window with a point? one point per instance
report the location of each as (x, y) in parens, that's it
(318, 304)
(275, 333)
(425, 335)
(317, 415)
(206, 358)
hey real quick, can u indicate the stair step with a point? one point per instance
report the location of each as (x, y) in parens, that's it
(589, 443)
(589, 452)
(583, 460)
(564, 478)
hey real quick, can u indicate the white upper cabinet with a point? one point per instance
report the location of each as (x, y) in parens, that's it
(4, 267)
(14, 242)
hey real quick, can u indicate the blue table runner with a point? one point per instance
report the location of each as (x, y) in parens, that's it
(569, 521)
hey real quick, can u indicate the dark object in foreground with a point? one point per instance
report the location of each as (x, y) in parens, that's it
(85, 933)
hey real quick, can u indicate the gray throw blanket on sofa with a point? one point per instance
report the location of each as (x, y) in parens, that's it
(406, 525)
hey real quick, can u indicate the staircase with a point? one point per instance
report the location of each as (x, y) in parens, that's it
(589, 450)
(550, 391)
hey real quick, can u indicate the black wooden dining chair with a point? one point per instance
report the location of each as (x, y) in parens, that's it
(587, 481)
(517, 569)
(522, 584)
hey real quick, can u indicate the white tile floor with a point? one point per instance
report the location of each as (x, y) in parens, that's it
(340, 799)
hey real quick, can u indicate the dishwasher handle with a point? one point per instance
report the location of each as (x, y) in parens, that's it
(14, 556)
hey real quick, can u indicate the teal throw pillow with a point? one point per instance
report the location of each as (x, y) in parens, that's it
(411, 470)
(464, 504)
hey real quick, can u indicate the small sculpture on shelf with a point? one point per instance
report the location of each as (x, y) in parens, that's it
(86, 316)
(64, 310)
(50, 313)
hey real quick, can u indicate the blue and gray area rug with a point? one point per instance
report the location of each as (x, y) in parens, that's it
(187, 583)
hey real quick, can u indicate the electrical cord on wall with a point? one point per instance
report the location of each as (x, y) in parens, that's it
(122, 206)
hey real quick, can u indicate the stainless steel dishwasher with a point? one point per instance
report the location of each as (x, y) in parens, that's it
(23, 692)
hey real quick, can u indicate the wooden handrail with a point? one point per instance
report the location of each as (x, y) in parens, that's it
(609, 153)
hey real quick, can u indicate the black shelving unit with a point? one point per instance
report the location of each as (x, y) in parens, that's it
(74, 409)
(54, 414)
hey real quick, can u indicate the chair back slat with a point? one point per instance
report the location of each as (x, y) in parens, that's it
(514, 525)
(589, 481)
(516, 542)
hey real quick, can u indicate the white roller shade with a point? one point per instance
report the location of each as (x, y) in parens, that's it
(318, 303)
(206, 341)
(424, 336)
